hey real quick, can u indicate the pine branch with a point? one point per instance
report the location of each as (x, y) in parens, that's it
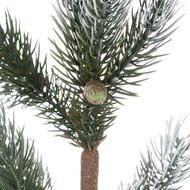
(25, 81)
(89, 31)
(19, 167)
(150, 28)
(101, 42)
(166, 164)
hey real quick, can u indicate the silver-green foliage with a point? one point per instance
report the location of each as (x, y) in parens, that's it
(166, 164)
(20, 169)
(109, 41)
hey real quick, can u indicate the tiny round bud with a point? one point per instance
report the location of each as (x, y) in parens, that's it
(95, 92)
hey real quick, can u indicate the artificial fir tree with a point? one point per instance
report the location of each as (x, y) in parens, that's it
(106, 46)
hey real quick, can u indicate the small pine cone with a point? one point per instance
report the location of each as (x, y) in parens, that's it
(95, 92)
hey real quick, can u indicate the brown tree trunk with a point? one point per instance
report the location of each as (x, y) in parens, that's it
(89, 169)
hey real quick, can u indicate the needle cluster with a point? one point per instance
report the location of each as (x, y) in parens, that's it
(20, 168)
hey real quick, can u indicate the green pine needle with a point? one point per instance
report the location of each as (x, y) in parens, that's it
(20, 168)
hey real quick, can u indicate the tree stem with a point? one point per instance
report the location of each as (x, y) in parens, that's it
(89, 169)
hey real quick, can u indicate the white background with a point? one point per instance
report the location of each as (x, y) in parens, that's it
(166, 94)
